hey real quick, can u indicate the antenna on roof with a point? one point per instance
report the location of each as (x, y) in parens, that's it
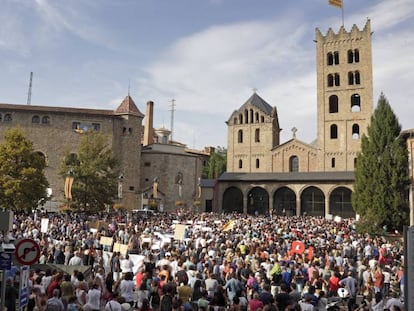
(129, 86)
(29, 93)
(172, 118)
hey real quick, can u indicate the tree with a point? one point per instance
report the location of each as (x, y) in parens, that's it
(22, 180)
(94, 173)
(217, 163)
(380, 194)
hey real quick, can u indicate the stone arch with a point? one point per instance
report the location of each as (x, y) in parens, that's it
(340, 203)
(312, 202)
(232, 200)
(257, 201)
(284, 202)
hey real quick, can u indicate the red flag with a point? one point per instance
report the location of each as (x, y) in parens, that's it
(298, 247)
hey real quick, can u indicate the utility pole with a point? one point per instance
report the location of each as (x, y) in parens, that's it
(29, 93)
(172, 118)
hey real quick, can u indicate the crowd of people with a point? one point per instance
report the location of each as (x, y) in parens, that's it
(219, 262)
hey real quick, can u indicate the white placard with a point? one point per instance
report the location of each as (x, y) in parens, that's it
(44, 225)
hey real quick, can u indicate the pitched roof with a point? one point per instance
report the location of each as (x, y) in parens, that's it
(128, 107)
(258, 102)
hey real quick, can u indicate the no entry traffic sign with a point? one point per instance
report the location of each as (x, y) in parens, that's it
(27, 252)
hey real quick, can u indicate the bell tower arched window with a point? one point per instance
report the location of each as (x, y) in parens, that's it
(330, 80)
(257, 135)
(333, 104)
(240, 163)
(334, 131)
(355, 131)
(240, 136)
(355, 103)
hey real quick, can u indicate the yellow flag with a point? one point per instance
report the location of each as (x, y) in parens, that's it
(337, 3)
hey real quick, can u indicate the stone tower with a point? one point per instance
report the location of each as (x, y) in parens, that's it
(127, 147)
(253, 131)
(344, 95)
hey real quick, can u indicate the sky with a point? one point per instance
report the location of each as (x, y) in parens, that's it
(207, 55)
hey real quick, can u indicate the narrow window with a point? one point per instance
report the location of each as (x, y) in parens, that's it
(350, 78)
(294, 164)
(333, 162)
(333, 104)
(337, 80)
(356, 56)
(246, 116)
(257, 163)
(330, 80)
(35, 119)
(257, 135)
(0, 117)
(241, 118)
(355, 103)
(256, 117)
(240, 136)
(350, 56)
(124, 131)
(262, 119)
(240, 164)
(334, 131)
(357, 77)
(355, 162)
(330, 59)
(7, 117)
(75, 125)
(45, 120)
(251, 116)
(336, 58)
(355, 131)
(96, 126)
(130, 131)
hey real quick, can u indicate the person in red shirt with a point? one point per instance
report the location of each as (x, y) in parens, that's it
(255, 303)
(54, 284)
(333, 284)
(378, 280)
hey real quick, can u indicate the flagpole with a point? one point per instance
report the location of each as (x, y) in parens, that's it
(342, 10)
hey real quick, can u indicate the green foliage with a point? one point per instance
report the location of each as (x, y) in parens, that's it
(380, 194)
(217, 163)
(22, 180)
(94, 170)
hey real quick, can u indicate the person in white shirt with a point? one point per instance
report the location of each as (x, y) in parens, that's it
(94, 298)
(126, 265)
(127, 288)
(393, 301)
(76, 260)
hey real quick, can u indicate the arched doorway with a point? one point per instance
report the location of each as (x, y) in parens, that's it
(284, 202)
(258, 201)
(232, 200)
(340, 203)
(312, 202)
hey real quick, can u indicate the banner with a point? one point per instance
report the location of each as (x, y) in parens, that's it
(68, 187)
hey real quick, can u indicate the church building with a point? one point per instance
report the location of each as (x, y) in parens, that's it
(265, 176)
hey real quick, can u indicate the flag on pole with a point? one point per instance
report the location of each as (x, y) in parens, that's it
(336, 3)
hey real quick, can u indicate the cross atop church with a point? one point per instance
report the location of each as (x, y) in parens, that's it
(294, 130)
